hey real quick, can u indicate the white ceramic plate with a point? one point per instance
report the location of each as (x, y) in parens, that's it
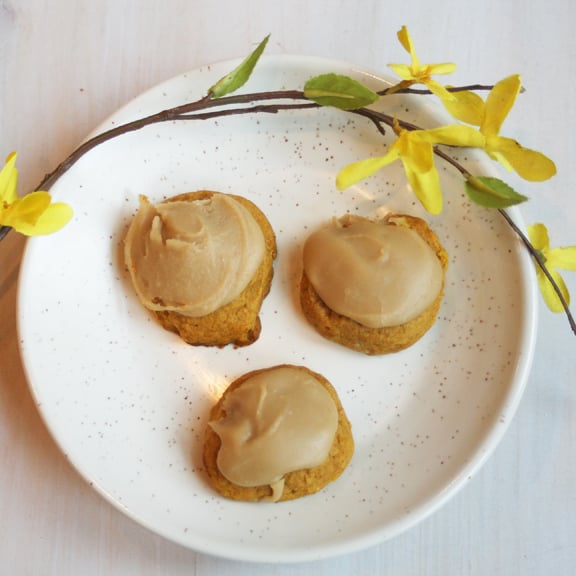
(127, 401)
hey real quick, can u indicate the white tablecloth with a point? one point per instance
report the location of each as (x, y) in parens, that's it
(67, 65)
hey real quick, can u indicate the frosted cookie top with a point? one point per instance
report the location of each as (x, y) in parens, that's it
(377, 273)
(275, 422)
(192, 257)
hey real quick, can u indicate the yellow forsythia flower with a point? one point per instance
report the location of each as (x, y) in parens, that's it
(417, 73)
(415, 148)
(563, 258)
(34, 214)
(489, 117)
(416, 154)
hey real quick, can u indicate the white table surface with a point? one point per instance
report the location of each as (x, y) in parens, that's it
(66, 65)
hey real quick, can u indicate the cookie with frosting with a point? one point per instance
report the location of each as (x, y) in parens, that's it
(202, 262)
(277, 434)
(374, 286)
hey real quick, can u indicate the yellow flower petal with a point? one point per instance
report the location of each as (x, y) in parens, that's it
(408, 45)
(498, 104)
(495, 155)
(442, 68)
(362, 169)
(405, 39)
(529, 164)
(402, 70)
(466, 106)
(563, 257)
(416, 151)
(538, 234)
(439, 90)
(28, 209)
(455, 135)
(52, 219)
(548, 292)
(426, 186)
(9, 180)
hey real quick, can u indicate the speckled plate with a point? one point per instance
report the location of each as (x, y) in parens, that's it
(127, 402)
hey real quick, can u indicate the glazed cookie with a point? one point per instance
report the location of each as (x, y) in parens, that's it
(373, 286)
(277, 434)
(202, 262)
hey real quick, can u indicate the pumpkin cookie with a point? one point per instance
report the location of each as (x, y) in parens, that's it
(202, 262)
(373, 286)
(277, 434)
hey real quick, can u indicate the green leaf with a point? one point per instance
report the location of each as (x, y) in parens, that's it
(492, 192)
(339, 91)
(240, 75)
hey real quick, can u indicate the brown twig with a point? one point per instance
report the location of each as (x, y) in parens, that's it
(536, 255)
(469, 88)
(182, 112)
(203, 109)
